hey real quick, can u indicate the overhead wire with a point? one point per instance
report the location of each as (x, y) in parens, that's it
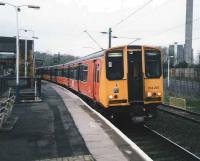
(95, 41)
(172, 28)
(177, 26)
(133, 13)
(130, 15)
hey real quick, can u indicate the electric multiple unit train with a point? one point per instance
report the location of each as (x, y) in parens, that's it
(125, 79)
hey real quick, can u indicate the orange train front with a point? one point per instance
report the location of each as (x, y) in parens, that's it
(120, 79)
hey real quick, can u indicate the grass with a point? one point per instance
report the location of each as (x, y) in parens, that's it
(192, 104)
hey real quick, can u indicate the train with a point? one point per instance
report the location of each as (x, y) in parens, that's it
(121, 80)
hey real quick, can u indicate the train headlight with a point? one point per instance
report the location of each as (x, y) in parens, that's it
(149, 94)
(159, 93)
(110, 97)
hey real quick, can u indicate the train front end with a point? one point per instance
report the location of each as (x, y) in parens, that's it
(132, 81)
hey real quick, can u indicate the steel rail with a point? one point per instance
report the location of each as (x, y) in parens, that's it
(189, 115)
(173, 143)
(184, 110)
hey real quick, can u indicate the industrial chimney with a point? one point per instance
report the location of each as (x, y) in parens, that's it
(188, 52)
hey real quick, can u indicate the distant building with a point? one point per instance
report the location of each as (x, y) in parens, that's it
(177, 51)
(180, 54)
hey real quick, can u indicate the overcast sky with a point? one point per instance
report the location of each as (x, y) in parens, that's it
(59, 24)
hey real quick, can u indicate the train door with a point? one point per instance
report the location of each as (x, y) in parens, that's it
(96, 79)
(78, 76)
(135, 77)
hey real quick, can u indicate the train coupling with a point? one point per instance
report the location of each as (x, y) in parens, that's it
(141, 119)
(138, 119)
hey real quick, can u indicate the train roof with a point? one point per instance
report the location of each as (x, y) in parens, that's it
(95, 55)
(90, 56)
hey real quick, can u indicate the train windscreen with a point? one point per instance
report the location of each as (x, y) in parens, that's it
(114, 65)
(152, 64)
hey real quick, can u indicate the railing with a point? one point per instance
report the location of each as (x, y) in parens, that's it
(6, 106)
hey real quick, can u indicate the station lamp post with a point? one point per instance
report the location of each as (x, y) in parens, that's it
(168, 70)
(18, 9)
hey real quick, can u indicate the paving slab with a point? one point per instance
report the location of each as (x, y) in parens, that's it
(43, 131)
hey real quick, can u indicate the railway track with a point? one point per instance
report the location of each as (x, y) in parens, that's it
(158, 147)
(185, 114)
(154, 144)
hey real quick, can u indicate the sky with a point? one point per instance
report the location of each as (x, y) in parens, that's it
(60, 24)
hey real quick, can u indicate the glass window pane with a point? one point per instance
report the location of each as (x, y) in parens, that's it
(152, 64)
(85, 73)
(114, 65)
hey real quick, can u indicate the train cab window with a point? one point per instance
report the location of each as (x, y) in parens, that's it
(114, 65)
(152, 64)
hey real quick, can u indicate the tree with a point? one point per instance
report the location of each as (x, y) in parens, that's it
(45, 59)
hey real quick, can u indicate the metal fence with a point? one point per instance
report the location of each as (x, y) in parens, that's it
(183, 88)
(183, 73)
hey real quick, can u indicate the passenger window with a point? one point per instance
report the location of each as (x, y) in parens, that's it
(114, 65)
(66, 73)
(75, 75)
(71, 73)
(85, 73)
(55, 72)
(81, 73)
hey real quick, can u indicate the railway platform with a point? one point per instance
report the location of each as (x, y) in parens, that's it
(63, 127)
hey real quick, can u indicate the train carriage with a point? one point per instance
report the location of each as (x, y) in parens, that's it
(120, 79)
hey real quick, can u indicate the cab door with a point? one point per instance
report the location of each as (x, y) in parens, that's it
(135, 76)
